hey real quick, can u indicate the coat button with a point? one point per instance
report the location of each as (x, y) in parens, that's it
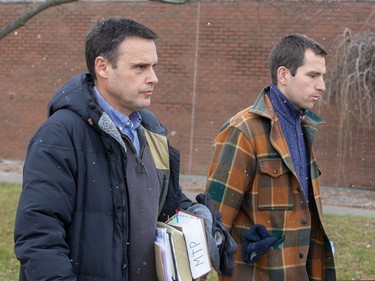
(300, 255)
(109, 149)
(303, 221)
(118, 207)
(275, 171)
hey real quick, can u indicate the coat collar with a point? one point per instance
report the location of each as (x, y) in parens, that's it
(263, 107)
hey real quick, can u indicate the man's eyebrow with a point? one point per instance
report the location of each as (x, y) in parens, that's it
(315, 72)
(140, 63)
(143, 64)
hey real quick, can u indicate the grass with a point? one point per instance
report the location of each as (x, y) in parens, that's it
(9, 265)
(354, 239)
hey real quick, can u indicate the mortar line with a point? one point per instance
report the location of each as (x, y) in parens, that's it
(194, 89)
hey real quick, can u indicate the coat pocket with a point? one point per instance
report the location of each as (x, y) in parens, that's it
(275, 185)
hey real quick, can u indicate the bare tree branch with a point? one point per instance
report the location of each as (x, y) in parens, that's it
(22, 19)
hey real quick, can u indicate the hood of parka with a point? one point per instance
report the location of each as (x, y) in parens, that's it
(76, 96)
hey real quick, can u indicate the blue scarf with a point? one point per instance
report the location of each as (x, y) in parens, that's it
(290, 119)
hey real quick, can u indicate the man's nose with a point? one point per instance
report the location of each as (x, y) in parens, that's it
(152, 78)
(321, 86)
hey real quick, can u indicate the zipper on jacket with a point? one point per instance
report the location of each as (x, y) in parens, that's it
(121, 168)
(140, 165)
(141, 168)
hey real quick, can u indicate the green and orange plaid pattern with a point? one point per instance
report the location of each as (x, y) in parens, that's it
(252, 180)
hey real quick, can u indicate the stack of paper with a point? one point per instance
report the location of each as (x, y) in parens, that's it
(176, 265)
(164, 252)
(181, 248)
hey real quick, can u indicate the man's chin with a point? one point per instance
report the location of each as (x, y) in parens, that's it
(146, 103)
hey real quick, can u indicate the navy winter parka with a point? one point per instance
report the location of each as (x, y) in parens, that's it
(72, 221)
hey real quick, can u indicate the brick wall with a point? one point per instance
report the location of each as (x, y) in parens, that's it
(213, 62)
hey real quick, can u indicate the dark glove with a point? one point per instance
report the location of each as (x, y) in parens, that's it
(227, 250)
(205, 199)
(227, 246)
(256, 242)
(203, 212)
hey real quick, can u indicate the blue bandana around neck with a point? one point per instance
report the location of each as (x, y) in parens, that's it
(290, 119)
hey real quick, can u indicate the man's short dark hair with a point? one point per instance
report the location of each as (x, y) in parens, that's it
(105, 38)
(290, 52)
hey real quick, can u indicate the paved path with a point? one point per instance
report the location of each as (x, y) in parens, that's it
(10, 177)
(336, 200)
(327, 209)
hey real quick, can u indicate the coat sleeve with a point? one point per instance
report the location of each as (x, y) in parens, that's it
(46, 206)
(176, 199)
(231, 172)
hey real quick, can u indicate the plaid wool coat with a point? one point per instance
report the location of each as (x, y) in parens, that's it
(252, 180)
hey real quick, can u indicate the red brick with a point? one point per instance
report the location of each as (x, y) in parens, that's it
(234, 40)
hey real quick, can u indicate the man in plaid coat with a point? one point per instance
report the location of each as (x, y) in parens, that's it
(263, 177)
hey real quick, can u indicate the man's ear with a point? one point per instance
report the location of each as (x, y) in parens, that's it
(101, 67)
(282, 72)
